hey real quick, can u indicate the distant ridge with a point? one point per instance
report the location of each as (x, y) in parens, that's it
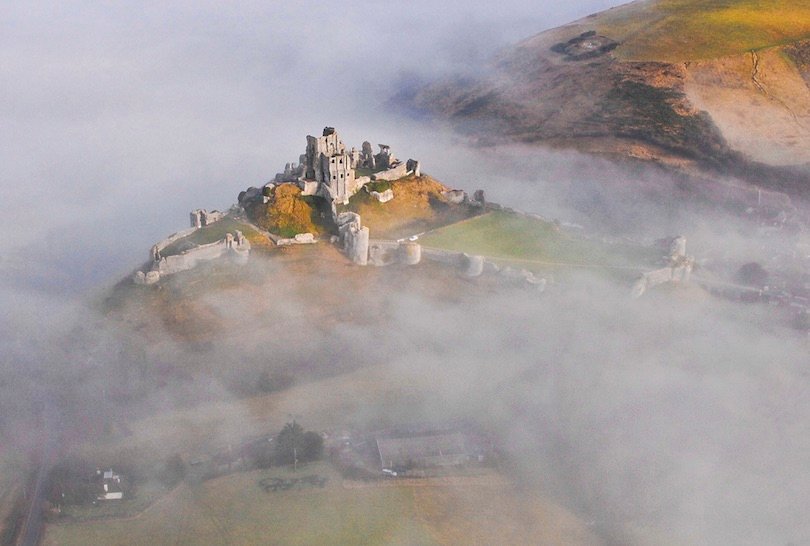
(702, 87)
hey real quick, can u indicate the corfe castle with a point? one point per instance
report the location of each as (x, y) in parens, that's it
(329, 171)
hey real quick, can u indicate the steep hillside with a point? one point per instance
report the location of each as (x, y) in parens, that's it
(759, 101)
(719, 86)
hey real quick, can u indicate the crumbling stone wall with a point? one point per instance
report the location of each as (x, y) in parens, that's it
(201, 217)
(384, 253)
(354, 237)
(471, 265)
(161, 245)
(234, 246)
(678, 269)
(393, 173)
(383, 197)
(456, 197)
(299, 239)
(399, 170)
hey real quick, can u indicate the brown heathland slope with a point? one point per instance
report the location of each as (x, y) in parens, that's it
(418, 205)
(686, 83)
(536, 95)
(760, 102)
(287, 212)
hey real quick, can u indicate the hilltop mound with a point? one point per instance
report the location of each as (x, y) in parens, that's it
(693, 85)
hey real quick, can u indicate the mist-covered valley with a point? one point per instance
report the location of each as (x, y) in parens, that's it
(680, 417)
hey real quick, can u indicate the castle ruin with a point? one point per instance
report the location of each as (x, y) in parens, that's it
(234, 246)
(201, 217)
(678, 268)
(329, 170)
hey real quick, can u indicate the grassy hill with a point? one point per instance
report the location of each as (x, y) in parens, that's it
(695, 85)
(536, 244)
(682, 30)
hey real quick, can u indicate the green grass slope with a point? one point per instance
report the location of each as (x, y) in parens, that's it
(682, 30)
(534, 243)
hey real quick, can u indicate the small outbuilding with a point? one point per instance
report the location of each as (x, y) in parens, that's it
(110, 486)
(424, 451)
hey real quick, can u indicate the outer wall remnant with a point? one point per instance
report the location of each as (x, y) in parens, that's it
(473, 265)
(410, 253)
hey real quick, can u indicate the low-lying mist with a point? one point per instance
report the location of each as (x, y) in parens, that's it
(678, 414)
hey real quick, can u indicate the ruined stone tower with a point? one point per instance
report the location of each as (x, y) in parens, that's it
(328, 163)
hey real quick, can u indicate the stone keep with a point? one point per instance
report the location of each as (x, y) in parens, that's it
(328, 164)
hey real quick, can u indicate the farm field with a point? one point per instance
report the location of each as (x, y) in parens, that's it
(680, 30)
(332, 403)
(532, 242)
(236, 509)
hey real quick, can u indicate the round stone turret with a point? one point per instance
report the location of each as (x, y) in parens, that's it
(410, 253)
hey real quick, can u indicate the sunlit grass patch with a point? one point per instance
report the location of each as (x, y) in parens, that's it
(524, 239)
(677, 30)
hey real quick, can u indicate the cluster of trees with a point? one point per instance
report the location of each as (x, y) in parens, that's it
(76, 481)
(752, 274)
(291, 445)
(174, 471)
(295, 445)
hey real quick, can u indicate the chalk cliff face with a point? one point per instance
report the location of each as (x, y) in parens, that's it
(677, 82)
